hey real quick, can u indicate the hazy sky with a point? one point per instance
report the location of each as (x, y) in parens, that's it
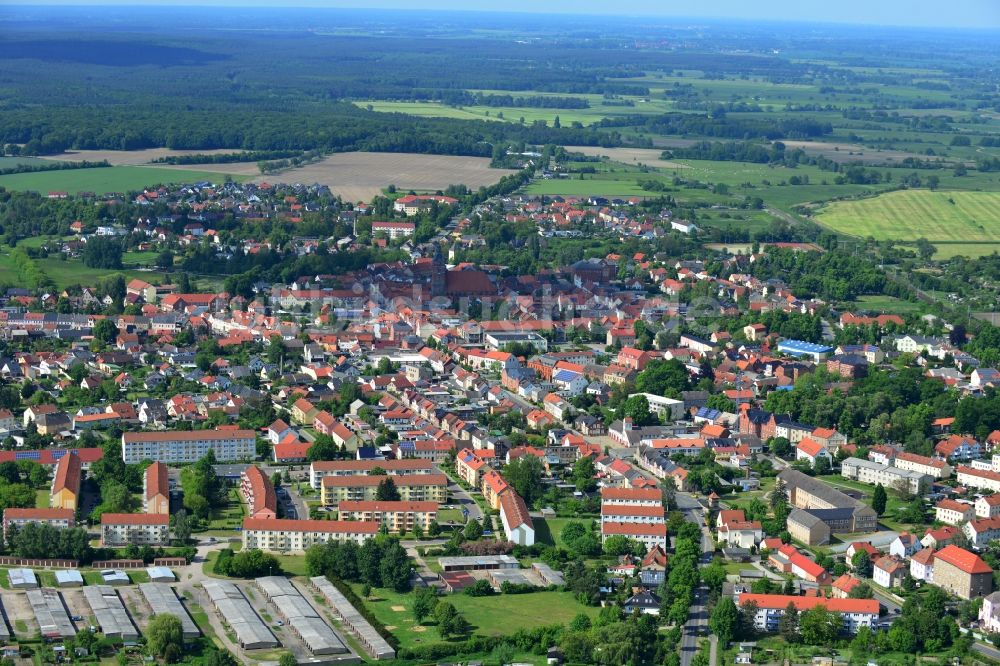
(928, 13)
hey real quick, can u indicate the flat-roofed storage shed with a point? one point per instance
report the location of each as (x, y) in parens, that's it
(234, 609)
(161, 574)
(115, 577)
(50, 612)
(22, 579)
(69, 578)
(162, 599)
(110, 612)
(302, 618)
(372, 641)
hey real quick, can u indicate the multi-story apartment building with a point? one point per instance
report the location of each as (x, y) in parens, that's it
(932, 467)
(320, 470)
(633, 513)
(953, 512)
(65, 491)
(258, 491)
(978, 478)
(296, 536)
(867, 471)
(856, 613)
(156, 489)
(649, 535)
(494, 486)
(398, 517)
(639, 496)
(411, 487)
(189, 446)
(54, 517)
(470, 467)
(143, 529)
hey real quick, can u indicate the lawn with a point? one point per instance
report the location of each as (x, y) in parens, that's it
(549, 530)
(42, 499)
(888, 304)
(519, 611)
(912, 214)
(108, 179)
(229, 515)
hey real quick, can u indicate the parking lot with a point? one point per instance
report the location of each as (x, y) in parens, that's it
(19, 614)
(78, 607)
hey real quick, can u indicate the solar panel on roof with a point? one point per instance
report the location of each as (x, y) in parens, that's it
(57, 454)
(27, 455)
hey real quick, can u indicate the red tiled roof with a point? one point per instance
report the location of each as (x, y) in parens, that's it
(513, 506)
(156, 481)
(399, 480)
(962, 559)
(48, 456)
(406, 464)
(282, 525)
(781, 601)
(262, 496)
(135, 519)
(187, 435)
(67, 474)
(639, 529)
(38, 514)
(387, 507)
(634, 494)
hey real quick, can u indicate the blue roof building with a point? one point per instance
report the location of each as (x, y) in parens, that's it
(801, 348)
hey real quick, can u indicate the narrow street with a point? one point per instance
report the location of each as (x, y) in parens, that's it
(697, 624)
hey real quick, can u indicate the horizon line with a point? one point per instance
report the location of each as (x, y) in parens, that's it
(298, 4)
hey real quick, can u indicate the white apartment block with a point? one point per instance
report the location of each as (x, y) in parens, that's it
(856, 613)
(982, 479)
(296, 536)
(143, 529)
(932, 467)
(188, 446)
(867, 471)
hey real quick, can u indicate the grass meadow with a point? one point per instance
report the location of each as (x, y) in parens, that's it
(102, 180)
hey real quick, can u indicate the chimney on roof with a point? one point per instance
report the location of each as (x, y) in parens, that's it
(627, 423)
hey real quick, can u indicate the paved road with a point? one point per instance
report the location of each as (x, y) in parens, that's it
(986, 650)
(698, 615)
(463, 500)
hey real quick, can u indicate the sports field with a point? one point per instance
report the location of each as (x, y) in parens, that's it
(108, 179)
(911, 214)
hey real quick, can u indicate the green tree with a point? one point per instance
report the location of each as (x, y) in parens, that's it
(619, 544)
(164, 635)
(425, 599)
(473, 530)
(387, 491)
(879, 500)
(666, 378)
(724, 620)
(862, 564)
(819, 626)
(636, 407)
(395, 569)
(583, 474)
(788, 625)
(524, 474)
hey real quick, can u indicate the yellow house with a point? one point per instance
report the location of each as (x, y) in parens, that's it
(66, 482)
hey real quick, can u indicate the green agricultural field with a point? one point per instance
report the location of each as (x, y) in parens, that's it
(598, 109)
(911, 214)
(103, 180)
